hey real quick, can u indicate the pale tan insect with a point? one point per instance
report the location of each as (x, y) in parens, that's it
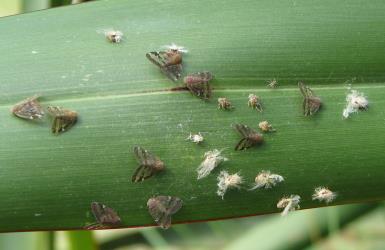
(211, 161)
(224, 103)
(272, 83)
(63, 119)
(290, 203)
(324, 194)
(265, 179)
(265, 126)
(255, 102)
(29, 109)
(227, 181)
(355, 101)
(114, 36)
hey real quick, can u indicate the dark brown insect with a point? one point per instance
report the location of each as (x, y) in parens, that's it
(169, 62)
(198, 84)
(311, 102)
(63, 119)
(104, 216)
(148, 164)
(161, 208)
(250, 137)
(29, 109)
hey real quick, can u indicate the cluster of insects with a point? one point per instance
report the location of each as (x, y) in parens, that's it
(161, 208)
(30, 109)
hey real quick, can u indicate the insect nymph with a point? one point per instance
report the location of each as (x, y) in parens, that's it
(249, 139)
(63, 119)
(161, 208)
(148, 164)
(169, 61)
(105, 216)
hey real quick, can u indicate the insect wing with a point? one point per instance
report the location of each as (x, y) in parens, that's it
(162, 207)
(173, 72)
(244, 143)
(142, 172)
(157, 58)
(244, 130)
(104, 215)
(201, 90)
(144, 157)
(28, 109)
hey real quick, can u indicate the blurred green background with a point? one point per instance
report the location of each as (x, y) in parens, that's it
(360, 226)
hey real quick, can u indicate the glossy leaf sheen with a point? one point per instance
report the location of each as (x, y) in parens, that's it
(48, 182)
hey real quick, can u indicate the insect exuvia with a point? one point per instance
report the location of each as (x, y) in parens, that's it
(324, 194)
(169, 61)
(197, 138)
(290, 203)
(149, 164)
(224, 103)
(211, 161)
(63, 119)
(265, 126)
(355, 101)
(114, 36)
(161, 208)
(249, 139)
(272, 83)
(198, 84)
(255, 102)
(228, 181)
(311, 102)
(265, 179)
(29, 109)
(105, 216)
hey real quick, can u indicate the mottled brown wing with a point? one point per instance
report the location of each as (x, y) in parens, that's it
(144, 157)
(173, 72)
(201, 90)
(29, 108)
(104, 215)
(244, 130)
(142, 172)
(161, 59)
(162, 207)
(244, 143)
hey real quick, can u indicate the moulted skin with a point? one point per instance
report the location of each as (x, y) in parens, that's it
(104, 216)
(272, 83)
(290, 203)
(196, 138)
(161, 208)
(212, 160)
(311, 103)
(63, 119)
(265, 179)
(29, 109)
(227, 181)
(324, 194)
(149, 164)
(249, 139)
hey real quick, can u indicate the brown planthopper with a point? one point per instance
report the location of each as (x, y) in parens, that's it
(105, 216)
(198, 84)
(161, 208)
(169, 61)
(311, 102)
(63, 119)
(149, 164)
(249, 139)
(29, 109)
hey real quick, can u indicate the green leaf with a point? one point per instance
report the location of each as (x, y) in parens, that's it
(48, 182)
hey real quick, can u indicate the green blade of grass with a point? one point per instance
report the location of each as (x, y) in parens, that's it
(48, 182)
